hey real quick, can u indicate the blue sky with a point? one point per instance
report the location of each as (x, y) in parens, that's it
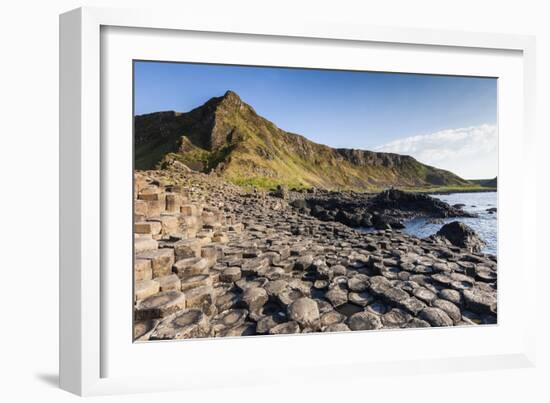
(419, 115)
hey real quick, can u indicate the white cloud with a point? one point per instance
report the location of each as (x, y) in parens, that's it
(469, 152)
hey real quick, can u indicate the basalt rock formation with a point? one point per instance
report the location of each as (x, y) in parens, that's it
(212, 260)
(461, 235)
(385, 210)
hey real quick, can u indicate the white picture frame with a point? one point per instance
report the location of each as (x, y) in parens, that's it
(92, 348)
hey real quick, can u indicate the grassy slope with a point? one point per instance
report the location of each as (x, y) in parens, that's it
(268, 156)
(251, 151)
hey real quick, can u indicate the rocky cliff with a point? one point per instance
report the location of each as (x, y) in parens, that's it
(227, 136)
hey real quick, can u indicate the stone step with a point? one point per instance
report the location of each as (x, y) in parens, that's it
(187, 248)
(173, 202)
(189, 210)
(144, 244)
(142, 270)
(190, 282)
(160, 305)
(144, 289)
(161, 261)
(151, 193)
(186, 324)
(170, 282)
(148, 227)
(191, 266)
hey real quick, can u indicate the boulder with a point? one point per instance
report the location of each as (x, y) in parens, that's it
(461, 235)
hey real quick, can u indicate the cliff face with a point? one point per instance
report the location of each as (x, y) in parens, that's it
(228, 136)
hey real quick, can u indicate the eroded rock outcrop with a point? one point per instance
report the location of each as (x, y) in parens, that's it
(461, 235)
(385, 210)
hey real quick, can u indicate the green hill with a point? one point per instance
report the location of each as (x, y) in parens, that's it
(487, 183)
(226, 135)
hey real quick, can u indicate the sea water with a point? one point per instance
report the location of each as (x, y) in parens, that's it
(485, 225)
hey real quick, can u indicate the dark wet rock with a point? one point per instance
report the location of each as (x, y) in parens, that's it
(459, 234)
(383, 221)
(418, 203)
(349, 309)
(377, 308)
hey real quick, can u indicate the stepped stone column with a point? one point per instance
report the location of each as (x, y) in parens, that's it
(173, 202)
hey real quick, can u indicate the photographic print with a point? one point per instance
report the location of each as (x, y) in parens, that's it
(273, 200)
